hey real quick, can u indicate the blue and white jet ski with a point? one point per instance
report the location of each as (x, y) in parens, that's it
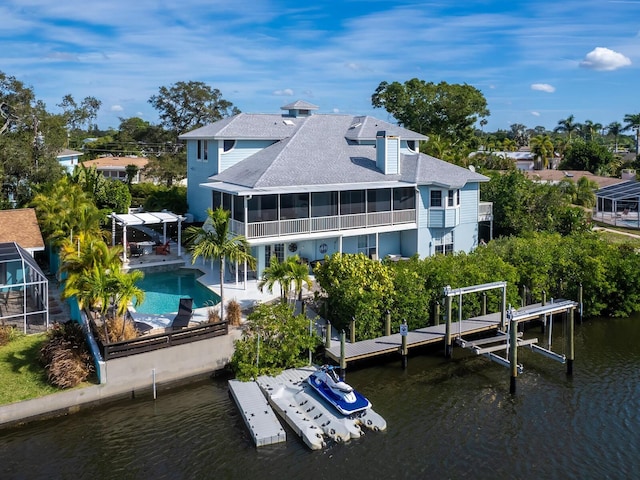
(341, 395)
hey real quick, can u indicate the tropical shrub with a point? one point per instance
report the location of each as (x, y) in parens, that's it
(274, 338)
(357, 288)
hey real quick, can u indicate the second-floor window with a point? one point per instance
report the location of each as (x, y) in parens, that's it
(445, 198)
(203, 152)
(436, 198)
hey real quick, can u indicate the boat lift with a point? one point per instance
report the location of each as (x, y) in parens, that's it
(509, 339)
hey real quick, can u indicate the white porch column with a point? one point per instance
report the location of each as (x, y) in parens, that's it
(124, 243)
(179, 236)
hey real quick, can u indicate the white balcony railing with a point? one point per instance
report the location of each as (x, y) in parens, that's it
(323, 224)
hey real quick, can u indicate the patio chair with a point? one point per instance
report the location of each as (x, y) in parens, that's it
(163, 249)
(135, 250)
(185, 312)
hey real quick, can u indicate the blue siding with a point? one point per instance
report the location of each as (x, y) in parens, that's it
(469, 198)
(423, 206)
(198, 198)
(241, 150)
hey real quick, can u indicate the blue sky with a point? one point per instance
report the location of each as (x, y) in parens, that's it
(535, 62)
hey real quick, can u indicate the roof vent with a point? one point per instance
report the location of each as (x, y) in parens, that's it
(288, 122)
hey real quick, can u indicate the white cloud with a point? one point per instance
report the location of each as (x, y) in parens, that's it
(117, 108)
(543, 87)
(287, 92)
(535, 114)
(604, 59)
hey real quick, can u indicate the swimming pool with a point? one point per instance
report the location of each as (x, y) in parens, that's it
(163, 291)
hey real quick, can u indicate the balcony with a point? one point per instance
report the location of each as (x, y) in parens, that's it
(485, 211)
(298, 226)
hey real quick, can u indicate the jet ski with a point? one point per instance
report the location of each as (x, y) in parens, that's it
(334, 390)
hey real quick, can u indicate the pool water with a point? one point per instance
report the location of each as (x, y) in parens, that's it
(163, 291)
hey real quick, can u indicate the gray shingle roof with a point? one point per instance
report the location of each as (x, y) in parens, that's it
(320, 150)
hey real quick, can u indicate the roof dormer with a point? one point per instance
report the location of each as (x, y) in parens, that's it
(299, 108)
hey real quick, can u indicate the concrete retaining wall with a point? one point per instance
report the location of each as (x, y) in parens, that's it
(128, 376)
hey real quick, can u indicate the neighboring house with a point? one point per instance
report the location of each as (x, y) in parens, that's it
(21, 226)
(316, 184)
(116, 167)
(23, 285)
(69, 159)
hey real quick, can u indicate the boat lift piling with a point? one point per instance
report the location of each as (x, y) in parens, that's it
(343, 358)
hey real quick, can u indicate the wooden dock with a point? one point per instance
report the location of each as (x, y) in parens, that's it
(434, 334)
(415, 338)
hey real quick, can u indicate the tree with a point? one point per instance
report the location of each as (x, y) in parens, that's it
(447, 110)
(542, 149)
(585, 192)
(290, 272)
(167, 168)
(187, 105)
(615, 128)
(214, 241)
(633, 123)
(275, 273)
(567, 125)
(274, 339)
(357, 288)
(589, 156)
(79, 115)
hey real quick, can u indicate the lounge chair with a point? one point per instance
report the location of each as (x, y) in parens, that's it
(185, 312)
(153, 323)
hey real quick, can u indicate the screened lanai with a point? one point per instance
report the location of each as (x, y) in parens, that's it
(24, 290)
(618, 204)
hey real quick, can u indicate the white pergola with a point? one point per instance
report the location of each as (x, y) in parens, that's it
(144, 218)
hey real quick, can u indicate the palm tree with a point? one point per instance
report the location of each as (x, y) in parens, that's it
(276, 272)
(567, 126)
(298, 275)
(542, 148)
(614, 128)
(633, 123)
(585, 192)
(290, 272)
(93, 289)
(124, 291)
(215, 241)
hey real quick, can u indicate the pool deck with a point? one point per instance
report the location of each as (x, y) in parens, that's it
(247, 295)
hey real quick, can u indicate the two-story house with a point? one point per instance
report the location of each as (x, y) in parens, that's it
(314, 184)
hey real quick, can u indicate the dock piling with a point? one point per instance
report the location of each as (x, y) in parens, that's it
(570, 344)
(352, 330)
(404, 351)
(387, 323)
(513, 351)
(343, 358)
(327, 335)
(447, 335)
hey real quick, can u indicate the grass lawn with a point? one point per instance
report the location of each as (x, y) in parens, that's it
(21, 375)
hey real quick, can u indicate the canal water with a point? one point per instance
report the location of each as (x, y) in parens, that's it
(446, 419)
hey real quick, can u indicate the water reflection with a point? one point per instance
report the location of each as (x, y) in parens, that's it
(446, 419)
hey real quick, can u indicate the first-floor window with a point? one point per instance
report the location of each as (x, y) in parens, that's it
(276, 250)
(444, 244)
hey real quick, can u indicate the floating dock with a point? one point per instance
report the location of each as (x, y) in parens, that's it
(257, 414)
(311, 417)
(289, 394)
